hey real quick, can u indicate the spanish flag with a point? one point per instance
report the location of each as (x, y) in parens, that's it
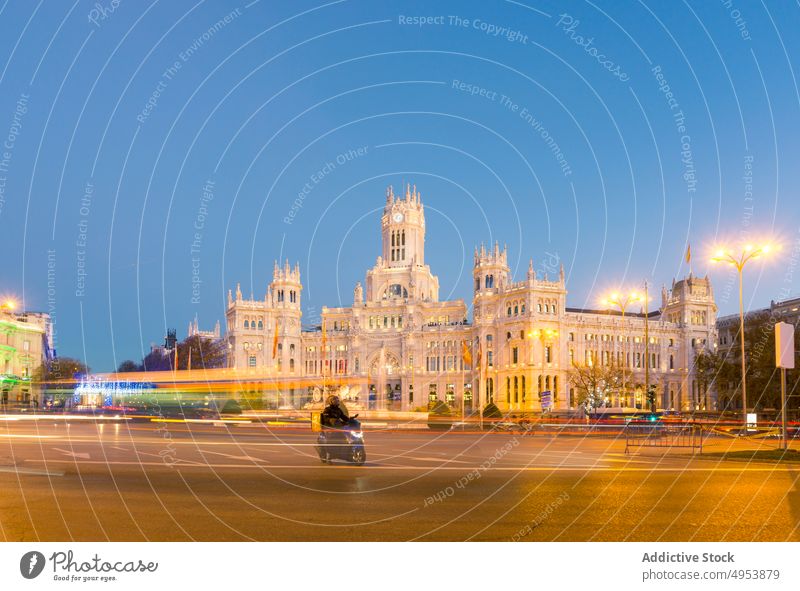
(466, 354)
(275, 340)
(689, 253)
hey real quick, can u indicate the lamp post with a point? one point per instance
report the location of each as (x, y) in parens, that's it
(622, 302)
(748, 253)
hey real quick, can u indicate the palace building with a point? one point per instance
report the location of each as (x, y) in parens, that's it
(399, 347)
(27, 343)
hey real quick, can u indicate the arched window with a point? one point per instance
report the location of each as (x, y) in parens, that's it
(516, 390)
(508, 390)
(516, 310)
(509, 310)
(260, 323)
(246, 323)
(522, 309)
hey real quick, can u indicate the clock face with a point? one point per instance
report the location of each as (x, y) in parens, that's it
(398, 217)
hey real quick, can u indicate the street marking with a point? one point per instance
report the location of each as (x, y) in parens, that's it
(233, 457)
(442, 460)
(317, 467)
(14, 436)
(76, 455)
(29, 471)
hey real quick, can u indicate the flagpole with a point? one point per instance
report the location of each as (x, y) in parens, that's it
(462, 391)
(481, 384)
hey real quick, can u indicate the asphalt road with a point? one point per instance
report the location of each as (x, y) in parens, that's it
(175, 482)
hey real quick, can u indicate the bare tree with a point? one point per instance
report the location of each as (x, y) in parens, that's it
(594, 383)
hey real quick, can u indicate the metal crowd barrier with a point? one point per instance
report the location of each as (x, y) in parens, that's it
(664, 435)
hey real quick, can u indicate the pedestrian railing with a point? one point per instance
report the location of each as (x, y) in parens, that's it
(664, 435)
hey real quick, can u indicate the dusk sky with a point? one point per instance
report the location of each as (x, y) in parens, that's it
(147, 143)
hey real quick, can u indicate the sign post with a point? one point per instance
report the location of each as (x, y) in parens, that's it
(547, 401)
(784, 359)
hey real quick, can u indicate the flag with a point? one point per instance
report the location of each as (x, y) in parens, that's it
(176, 356)
(480, 356)
(466, 354)
(689, 253)
(275, 340)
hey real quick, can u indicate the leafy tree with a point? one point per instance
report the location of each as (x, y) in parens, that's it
(206, 353)
(723, 369)
(594, 383)
(492, 412)
(129, 366)
(60, 368)
(718, 370)
(155, 360)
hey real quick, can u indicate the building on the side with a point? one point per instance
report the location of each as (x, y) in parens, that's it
(728, 326)
(26, 342)
(399, 347)
(728, 339)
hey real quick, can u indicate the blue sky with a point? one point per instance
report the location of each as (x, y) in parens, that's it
(161, 141)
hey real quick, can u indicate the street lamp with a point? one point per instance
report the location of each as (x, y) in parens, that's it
(9, 305)
(748, 253)
(622, 302)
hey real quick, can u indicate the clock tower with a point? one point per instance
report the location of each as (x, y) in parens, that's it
(403, 229)
(400, 271)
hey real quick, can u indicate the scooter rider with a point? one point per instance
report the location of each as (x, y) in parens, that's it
(334, 415)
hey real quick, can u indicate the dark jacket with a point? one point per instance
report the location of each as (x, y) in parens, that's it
(333, 416)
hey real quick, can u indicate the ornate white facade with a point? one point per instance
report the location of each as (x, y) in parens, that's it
(399, 347)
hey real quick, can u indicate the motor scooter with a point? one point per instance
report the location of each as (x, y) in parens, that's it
(342, 443)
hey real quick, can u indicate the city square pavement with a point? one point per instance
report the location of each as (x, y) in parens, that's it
(82, 481)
